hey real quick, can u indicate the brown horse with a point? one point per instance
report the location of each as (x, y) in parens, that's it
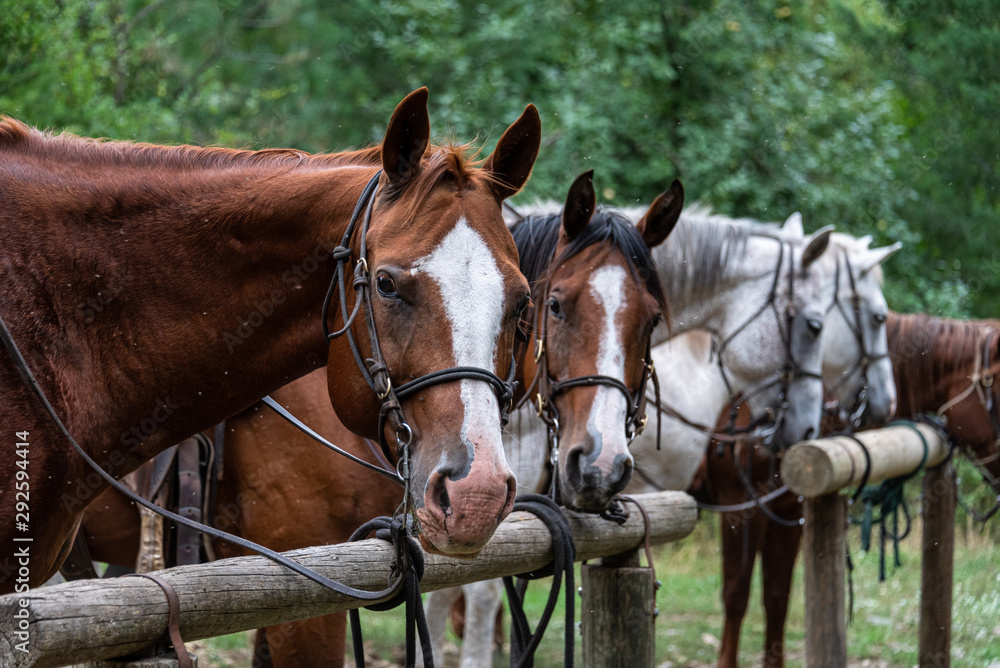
(283, 490)
(155, 291)
(938, 364)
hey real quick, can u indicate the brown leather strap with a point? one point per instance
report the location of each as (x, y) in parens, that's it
(188, 501)
(173, 618)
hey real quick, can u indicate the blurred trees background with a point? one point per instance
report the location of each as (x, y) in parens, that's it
(879, 116)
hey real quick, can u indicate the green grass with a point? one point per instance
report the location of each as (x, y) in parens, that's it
(884, 630)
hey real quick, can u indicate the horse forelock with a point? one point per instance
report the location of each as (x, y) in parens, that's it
(537, 237)
(455, 164)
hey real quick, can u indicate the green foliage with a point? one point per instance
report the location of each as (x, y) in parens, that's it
(876, 116)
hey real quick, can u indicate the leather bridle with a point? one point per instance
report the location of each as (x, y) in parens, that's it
(374, 369)
(981, 383)
(866, 358)
(543, 390)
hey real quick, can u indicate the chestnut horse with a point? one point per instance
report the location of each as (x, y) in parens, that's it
(158, 290)
(283, 490)
(937, 363)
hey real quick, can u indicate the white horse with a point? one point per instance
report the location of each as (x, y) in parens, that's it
(762, 291)
(856, 370)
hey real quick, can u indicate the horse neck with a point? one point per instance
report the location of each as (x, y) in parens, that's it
(526, 446)
(699, 399)
(736, 288)
(197, 296)
(919, 361)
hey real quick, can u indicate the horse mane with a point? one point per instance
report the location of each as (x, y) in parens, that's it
(439, 162)
(536, 237)
(926, 350)
(702, 247)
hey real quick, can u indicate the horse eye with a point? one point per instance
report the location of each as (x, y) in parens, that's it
(879, 318)
(386, 286)
(522, 305)
(555, 308)
(815, 325)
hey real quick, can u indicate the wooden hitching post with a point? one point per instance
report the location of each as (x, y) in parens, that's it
(824, 553)
(617, 613)
(937, 568)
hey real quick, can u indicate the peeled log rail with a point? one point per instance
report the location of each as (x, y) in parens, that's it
(90, 620)
(818, 470)
(823, 466)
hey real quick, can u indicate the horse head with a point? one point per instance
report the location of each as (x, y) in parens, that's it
(437, 328)
(597, 299)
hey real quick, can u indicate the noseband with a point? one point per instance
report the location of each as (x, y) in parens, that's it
(374, 369)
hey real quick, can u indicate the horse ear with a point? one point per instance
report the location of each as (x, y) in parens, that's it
(877, 256)
(580, 204)
(657, 224)
(406, 138)
(512, 159)
(793, 225)
(819, 241)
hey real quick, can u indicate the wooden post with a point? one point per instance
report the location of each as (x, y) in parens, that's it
(824, 554)
(617, 613)
(937, 568)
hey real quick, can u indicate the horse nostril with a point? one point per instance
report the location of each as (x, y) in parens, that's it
(441, 495)
(810, 432)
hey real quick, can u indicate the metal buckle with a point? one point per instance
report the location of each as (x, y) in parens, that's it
(363, 263)
(539, 348)
(539, 404)
(388, 389)
(987, 380)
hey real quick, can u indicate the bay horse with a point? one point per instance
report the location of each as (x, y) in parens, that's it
(854, 363)
(157, 290)
(596, 263)
(598, 298)
(938, 363)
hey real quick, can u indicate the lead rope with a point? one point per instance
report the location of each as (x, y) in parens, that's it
(524, 642)
(888, 496)
(409, 559)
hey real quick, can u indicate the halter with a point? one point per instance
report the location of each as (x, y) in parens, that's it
(766, 425)
(374, 369)
(546, 389)
(867, 357)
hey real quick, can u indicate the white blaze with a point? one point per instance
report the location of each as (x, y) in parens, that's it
(472, 292)
(607, 415)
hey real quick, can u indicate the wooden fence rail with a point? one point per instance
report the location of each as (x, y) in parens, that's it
(818, 470)
(91, 620)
